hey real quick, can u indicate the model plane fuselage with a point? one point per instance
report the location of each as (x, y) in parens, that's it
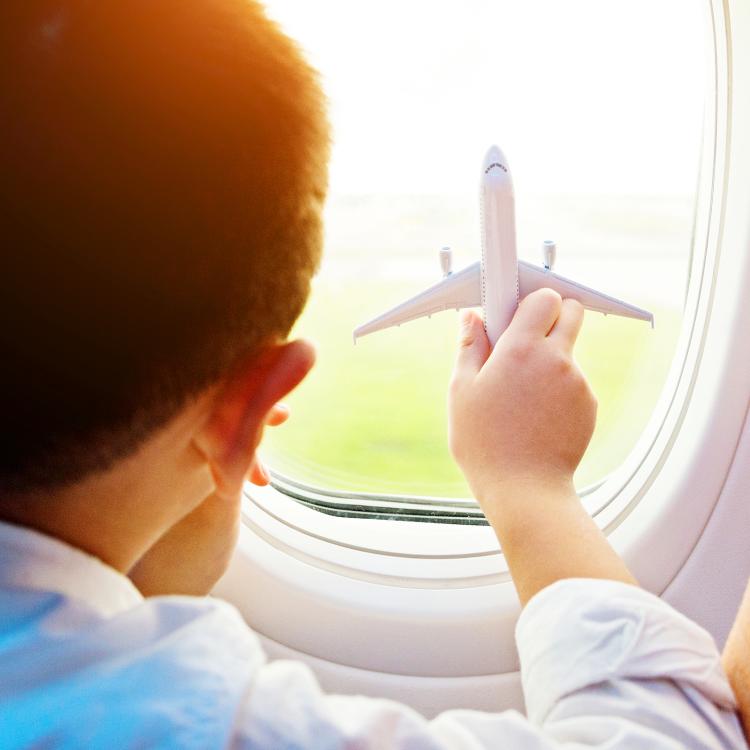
(499, 280)
(499, 269)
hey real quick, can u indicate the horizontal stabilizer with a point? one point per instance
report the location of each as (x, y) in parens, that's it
(460, 289)
(531, 278)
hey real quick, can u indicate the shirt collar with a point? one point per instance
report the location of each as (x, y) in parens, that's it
(32, 560)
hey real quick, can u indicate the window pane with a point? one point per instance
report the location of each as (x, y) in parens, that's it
(597, 104)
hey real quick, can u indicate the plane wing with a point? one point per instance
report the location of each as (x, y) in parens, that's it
(531, 278)
(463, 289)
(460, 289)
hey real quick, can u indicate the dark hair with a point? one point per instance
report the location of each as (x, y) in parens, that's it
(162, 174)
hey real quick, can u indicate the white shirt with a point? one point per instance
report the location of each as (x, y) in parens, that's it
(86, 662)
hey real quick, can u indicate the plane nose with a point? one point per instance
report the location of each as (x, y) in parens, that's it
(494, 162)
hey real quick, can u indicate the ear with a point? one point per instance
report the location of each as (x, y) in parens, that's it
(234, 428)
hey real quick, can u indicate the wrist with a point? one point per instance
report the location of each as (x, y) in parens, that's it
(523, 499)
(546, 535)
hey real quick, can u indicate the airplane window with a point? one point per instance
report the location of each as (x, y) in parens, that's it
(598, 106)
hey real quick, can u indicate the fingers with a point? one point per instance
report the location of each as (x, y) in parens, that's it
(566, 329)
(278, 415)
(536, 314)
(258, 474)
(473, 346)
(545, 313)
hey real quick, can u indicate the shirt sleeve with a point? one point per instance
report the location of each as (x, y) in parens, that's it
(604, 665)
(602, 660)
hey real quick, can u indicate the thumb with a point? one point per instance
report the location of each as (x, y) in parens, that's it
(473, 346)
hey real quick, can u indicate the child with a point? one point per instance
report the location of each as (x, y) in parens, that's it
(163, 173)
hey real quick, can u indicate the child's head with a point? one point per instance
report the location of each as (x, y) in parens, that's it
(162, 172)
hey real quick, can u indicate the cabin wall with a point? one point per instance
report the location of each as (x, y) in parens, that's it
(709, 587)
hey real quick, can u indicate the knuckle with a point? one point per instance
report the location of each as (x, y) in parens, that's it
(454, 387)
(587, 397)
(558, 365)
(573, 305)
(466, 339)
(572, 379)
(553, 295)
(520, 350)
(539, 298)
(549, 297)
(562, 366)
(547, 294)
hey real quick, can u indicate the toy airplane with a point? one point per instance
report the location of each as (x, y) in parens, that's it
(499, 281)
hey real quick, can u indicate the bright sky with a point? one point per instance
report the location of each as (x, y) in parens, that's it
(583, 96)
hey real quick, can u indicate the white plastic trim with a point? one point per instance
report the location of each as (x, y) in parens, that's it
(709, 587)
(428, 695)
(404, 630)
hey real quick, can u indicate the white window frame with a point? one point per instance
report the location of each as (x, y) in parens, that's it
(437, 598)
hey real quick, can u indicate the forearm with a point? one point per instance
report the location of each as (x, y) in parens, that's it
(546, 535)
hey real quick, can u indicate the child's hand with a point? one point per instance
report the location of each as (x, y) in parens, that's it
(523, 414)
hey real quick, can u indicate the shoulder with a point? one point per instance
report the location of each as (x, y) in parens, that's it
(170, 671)
(199, 642)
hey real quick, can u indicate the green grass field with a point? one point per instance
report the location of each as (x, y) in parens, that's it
(372, 417)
